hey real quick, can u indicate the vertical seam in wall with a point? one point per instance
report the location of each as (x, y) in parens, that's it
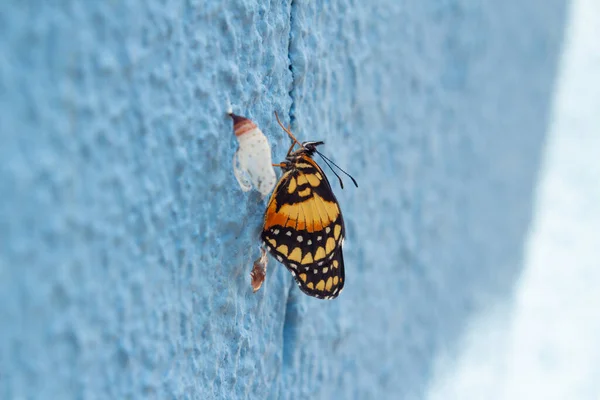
(290, 64)
(288, 331)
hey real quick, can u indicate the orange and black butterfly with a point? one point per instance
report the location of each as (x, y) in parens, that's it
(304, 227)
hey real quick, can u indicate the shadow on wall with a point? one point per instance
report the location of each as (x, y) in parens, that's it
(125, 242)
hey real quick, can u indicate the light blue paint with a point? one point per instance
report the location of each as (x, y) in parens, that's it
(126, 244)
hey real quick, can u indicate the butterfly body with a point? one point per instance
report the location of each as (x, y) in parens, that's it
(303, 225)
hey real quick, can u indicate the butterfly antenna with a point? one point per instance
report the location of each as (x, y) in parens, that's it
(287, 130)
(332, 170)
(338, 167)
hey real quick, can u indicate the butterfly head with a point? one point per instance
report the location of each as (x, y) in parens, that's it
(306, 149)
(310, 147)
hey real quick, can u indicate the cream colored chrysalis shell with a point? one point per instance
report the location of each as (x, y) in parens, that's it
(252, 163)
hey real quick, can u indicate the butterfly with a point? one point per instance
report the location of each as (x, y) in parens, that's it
(303, 225)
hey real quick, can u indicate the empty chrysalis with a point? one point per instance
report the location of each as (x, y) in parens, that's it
(252, 163)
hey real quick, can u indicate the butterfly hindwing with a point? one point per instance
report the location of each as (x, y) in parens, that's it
(304, 229)
(325, 281)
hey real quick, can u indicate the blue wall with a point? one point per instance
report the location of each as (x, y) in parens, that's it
(126, 243)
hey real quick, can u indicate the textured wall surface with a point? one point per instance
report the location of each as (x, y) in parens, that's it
(126, 243)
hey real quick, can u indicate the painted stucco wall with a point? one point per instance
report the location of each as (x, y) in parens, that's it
(126, 243)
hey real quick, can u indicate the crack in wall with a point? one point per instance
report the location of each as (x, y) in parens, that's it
(290, 64)
(288, 340)
(289, 331)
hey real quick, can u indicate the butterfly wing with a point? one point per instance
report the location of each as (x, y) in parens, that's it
(304, 229)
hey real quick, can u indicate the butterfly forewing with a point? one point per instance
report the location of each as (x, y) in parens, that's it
(304, 229)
